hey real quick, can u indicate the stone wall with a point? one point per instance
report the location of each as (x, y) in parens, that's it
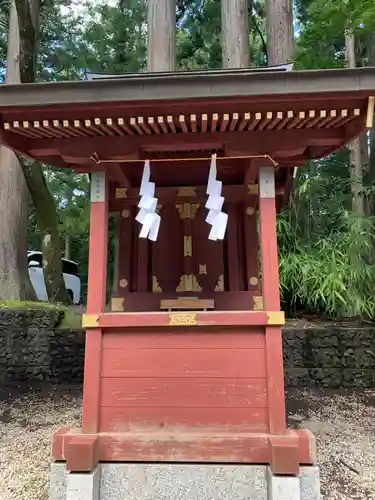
(330, 356)
(34, 347)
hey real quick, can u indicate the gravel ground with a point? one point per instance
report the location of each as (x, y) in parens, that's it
(343, 422)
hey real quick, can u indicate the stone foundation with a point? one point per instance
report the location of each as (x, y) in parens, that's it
(182, 482)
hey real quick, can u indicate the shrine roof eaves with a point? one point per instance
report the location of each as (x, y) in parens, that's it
(189, 85)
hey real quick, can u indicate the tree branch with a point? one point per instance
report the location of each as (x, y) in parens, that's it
(259, 31)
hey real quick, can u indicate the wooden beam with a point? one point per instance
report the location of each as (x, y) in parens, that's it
(263, 141)
(119, 175)
(196, 194)
(370, 112)
(250, 174)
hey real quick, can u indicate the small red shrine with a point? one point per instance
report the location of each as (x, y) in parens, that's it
(187, 364)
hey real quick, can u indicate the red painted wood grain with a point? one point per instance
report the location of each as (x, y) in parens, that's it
(203, 319)
(184, 363)
(268, 254)
(200, 420)
(232, 338)
(97, 272)
(243, 448)
(124, 254)
(184, 392)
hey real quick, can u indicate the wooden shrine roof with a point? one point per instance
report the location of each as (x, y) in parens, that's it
(247, 117)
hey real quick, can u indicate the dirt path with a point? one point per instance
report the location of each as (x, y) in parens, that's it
(343, 421)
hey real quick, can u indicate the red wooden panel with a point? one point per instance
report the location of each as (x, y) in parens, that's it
(206, 252)
(232, 247)
(275, 379)
(185, 363)
(241, 448)
(185, 339)
(204, 320)
(168, 250)
(142, 246)
(124, 253)
(251, 248)
(241, 250)
(91, 381)
(199, 420)
(224, 301)
(184, 392)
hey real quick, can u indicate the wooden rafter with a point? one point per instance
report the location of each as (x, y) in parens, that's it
(193, 123)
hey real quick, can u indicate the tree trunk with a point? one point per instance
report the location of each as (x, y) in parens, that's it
(161, 35)
(371, 161)
(14, 277)
(68, 246)
(45, 207)
(355, 146)
(279, 20)
(235, 33)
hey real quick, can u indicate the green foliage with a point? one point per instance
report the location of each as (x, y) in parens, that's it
(332, 277)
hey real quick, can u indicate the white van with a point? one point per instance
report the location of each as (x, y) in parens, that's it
(70, 275)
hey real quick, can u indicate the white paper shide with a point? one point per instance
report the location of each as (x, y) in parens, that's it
(215, 217)
(147, 215)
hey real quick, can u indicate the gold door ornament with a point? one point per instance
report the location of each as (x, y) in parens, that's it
(188, 247)
(202, 268)
(186, 191)
(156, 288)
(258, 303)
(187, 210)
(123, 282)
(121, 192)
(117, 304)
(188, 283)
(252, 189)
(220, 284)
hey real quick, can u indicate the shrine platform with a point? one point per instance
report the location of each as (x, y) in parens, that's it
(183, 482)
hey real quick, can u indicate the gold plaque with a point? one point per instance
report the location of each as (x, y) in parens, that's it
(258, 303)
(182, 319)
(117, 304)
(186, 191)
(121, 192)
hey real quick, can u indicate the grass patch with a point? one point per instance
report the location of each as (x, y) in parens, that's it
(28, 304)
(72, 319)
(70, 316)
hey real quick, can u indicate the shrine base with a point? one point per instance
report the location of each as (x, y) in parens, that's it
(116, 481)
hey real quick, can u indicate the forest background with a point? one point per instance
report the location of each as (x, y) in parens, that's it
(326, 232)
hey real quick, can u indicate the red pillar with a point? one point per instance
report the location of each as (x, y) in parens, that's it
(96, 299)
(271, 299)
